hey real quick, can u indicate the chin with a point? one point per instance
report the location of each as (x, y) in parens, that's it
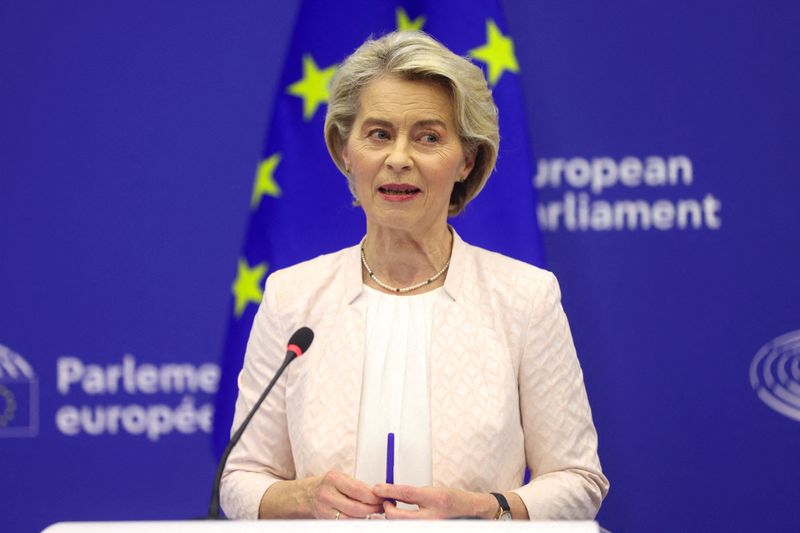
(393, 219)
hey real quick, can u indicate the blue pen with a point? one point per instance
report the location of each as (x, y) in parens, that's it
(390, 462)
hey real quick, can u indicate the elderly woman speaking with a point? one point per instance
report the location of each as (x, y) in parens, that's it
(464, 355)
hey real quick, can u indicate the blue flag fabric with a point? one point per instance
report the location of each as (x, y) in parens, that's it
(301, 206)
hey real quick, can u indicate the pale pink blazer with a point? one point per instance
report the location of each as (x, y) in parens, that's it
(506, 386)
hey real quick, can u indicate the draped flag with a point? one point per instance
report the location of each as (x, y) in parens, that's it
(300, 204)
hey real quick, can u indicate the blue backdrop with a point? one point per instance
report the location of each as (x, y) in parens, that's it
(665, 138)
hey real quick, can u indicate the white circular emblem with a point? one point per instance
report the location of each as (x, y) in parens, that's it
(775, 374)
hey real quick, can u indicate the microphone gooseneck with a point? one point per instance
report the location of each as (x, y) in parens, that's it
(297, 345)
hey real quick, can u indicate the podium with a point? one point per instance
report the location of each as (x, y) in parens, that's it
(325, 526)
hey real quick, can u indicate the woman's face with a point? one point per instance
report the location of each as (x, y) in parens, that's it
(404, 155)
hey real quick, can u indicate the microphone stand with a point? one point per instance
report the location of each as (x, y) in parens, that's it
(213, 508)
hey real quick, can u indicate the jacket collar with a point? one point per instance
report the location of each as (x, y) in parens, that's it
(452, 282)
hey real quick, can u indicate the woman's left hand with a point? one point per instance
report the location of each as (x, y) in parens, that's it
(435, 502)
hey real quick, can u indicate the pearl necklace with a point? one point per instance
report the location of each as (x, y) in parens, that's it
(400, 289)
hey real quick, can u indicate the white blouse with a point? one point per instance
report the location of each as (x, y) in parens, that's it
(395, 390)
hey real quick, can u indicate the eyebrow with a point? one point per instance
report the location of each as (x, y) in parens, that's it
(419, 124)
(431, 122)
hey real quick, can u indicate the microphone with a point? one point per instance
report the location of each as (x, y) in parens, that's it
(298, 344)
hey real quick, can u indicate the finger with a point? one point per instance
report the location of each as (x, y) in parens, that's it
(343, 516)
(404, 493)
(357, 490)
(347, 507)
(392, 512)
(353, 489)
(354, 509)
(376, 515)
(329, 498)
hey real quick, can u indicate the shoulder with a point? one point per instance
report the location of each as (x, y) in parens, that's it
(495, 268)
(308, 277)
(313, 267)
(518, 287)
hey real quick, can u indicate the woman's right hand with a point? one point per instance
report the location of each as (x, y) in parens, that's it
(337, 492)
(320, 497)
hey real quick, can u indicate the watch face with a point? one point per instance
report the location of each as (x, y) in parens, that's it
(505, 515)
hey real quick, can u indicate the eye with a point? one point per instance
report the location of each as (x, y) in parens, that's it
(429, 138)
(378, 134)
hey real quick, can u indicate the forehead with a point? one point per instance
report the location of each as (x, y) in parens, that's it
(391, 97)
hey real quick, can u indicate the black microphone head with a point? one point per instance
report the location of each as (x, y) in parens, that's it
(301, 340)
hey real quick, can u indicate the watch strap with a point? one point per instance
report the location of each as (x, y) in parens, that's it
(504, 507)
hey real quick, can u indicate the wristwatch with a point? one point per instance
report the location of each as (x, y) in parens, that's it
(504, 512)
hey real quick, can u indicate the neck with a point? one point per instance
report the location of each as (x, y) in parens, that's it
(402, 259)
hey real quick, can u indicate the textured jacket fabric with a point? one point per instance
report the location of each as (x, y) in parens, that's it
(506, 386)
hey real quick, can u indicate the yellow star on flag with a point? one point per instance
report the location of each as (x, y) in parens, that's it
(265, 180)
(246, 287)
(313, 87)
(497, 53)
(406, 24)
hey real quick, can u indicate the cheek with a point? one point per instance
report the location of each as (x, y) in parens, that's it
(361, 183)
(355, 157)
(366, 164)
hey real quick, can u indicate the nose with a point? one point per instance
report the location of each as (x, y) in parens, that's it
(399, 158)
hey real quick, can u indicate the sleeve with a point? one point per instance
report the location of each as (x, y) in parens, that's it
(560, 439)
(263, 455)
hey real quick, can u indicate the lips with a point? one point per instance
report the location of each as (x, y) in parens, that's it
(398, 189)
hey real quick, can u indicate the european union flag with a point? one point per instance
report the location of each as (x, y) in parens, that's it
(301, 206)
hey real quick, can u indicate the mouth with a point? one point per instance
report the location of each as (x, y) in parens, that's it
(398, 189)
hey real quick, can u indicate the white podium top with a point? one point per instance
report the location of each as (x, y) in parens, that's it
(324, 526)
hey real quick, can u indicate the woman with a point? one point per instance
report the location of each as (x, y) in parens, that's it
(463, 354)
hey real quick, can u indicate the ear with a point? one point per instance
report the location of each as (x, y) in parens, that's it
(345, 157)
(469, 164)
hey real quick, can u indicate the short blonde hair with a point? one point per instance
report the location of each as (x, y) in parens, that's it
(417, 56)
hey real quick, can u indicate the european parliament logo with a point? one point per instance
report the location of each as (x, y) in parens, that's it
(19, 396)
(775, 374)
